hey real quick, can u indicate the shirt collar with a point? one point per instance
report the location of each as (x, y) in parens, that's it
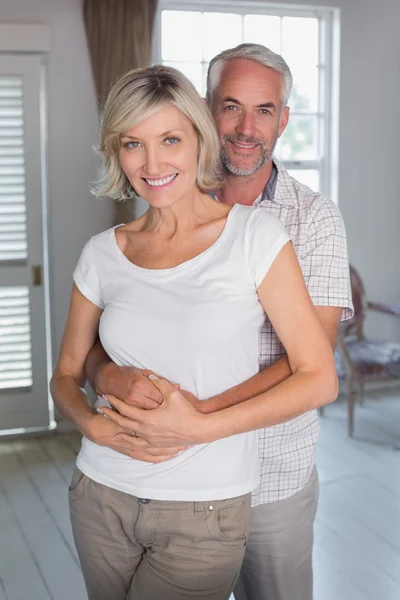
(279, 187)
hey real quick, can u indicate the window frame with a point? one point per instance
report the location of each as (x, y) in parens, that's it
(328, 63)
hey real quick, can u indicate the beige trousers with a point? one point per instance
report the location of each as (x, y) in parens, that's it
(136, 549)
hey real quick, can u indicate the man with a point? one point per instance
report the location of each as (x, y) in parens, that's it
(247, 90)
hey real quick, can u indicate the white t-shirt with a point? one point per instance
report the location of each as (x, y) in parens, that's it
(197, 324)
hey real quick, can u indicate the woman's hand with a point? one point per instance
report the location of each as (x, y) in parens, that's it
(105, 432)
(174, 423)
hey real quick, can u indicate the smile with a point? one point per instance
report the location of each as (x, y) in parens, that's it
(245, 146)
(160, 182)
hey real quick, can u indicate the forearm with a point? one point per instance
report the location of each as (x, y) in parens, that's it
(71, 401)
(97, 364)
(296, 395)
(262, 382)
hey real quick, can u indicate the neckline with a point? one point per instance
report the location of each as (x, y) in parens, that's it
(199, 258)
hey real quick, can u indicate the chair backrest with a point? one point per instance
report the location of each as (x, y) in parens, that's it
(355, 325)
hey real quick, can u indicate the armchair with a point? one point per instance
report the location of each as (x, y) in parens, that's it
(360, 361)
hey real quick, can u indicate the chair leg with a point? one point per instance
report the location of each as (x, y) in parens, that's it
(361, 393)
(351, 398)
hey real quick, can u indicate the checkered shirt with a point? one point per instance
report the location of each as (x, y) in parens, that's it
(287, 450)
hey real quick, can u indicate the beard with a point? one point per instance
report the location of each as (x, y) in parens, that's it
(245, 169)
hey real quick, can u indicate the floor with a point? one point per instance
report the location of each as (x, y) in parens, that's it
(357, 547)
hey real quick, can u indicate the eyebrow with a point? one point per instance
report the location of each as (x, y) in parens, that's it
(168, 132)
(263, 105)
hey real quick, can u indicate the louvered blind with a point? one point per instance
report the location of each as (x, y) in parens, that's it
(15, 338)
(15, 326)
(13, 233)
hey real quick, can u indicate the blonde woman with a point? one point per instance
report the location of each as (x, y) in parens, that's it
(183, 292)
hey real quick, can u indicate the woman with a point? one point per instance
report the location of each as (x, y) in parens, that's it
(182, 291)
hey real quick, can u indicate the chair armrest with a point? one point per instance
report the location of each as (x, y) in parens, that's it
(387, 309)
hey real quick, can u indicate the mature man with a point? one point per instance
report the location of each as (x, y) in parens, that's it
(247, 90)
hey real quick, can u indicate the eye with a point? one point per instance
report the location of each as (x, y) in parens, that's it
(132, 144)
(230, 108)
(265, 111)
(171, 141)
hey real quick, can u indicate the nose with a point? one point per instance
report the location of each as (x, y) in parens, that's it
(153, 165)
(246, 124)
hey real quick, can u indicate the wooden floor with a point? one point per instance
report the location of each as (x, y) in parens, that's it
(357, 547)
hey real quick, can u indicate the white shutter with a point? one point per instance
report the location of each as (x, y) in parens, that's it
(13, 234)
(24, 363)
(15, 341)
(15, 338)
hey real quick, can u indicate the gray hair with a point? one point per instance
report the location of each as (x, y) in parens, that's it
(256, 52)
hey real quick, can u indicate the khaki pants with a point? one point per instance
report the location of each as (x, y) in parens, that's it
(137, 549)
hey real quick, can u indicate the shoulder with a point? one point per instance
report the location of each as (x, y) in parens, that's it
(259, 218)
(315, 210)
(103, 240)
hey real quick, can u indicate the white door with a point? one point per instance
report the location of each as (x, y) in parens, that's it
(24, 397)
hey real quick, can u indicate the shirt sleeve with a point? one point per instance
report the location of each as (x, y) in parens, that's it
(325, 259)
(86, 276)
(265, 238)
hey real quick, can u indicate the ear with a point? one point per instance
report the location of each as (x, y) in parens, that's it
(283, 120)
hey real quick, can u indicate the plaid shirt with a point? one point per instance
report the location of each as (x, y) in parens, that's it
(287, 451)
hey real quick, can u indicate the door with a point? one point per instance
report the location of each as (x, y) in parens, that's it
(24, 351)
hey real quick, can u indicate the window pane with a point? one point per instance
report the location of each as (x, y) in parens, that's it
(300, 41)
(304, 94)
(263, 29)
(220, 31)
(309, 177)
(300, 50)
(181, 35)
(193, 71)
(299, 140)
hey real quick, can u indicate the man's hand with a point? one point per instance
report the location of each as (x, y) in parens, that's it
(174, 423)
(104, 432)
(129, 384)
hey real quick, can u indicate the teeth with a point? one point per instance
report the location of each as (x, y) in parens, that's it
(158, 182)
(246, 147)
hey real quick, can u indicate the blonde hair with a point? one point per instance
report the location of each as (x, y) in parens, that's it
(136, 96)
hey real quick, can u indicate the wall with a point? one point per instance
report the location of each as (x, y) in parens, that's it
(74, 214)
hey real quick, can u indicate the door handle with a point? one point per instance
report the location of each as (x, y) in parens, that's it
(37, 275)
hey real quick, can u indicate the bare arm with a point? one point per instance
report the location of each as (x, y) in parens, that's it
(127, 383)
(272, 375)
(68, 378)
(313, 381)
(133, 386)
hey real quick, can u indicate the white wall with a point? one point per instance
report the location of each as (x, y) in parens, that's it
(369, 147)
(75, 214)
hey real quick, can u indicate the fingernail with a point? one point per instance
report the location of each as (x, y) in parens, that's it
(153, 376)
(102, 413)
(118, 436)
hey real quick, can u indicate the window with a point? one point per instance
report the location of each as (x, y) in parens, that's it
(190, 33)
